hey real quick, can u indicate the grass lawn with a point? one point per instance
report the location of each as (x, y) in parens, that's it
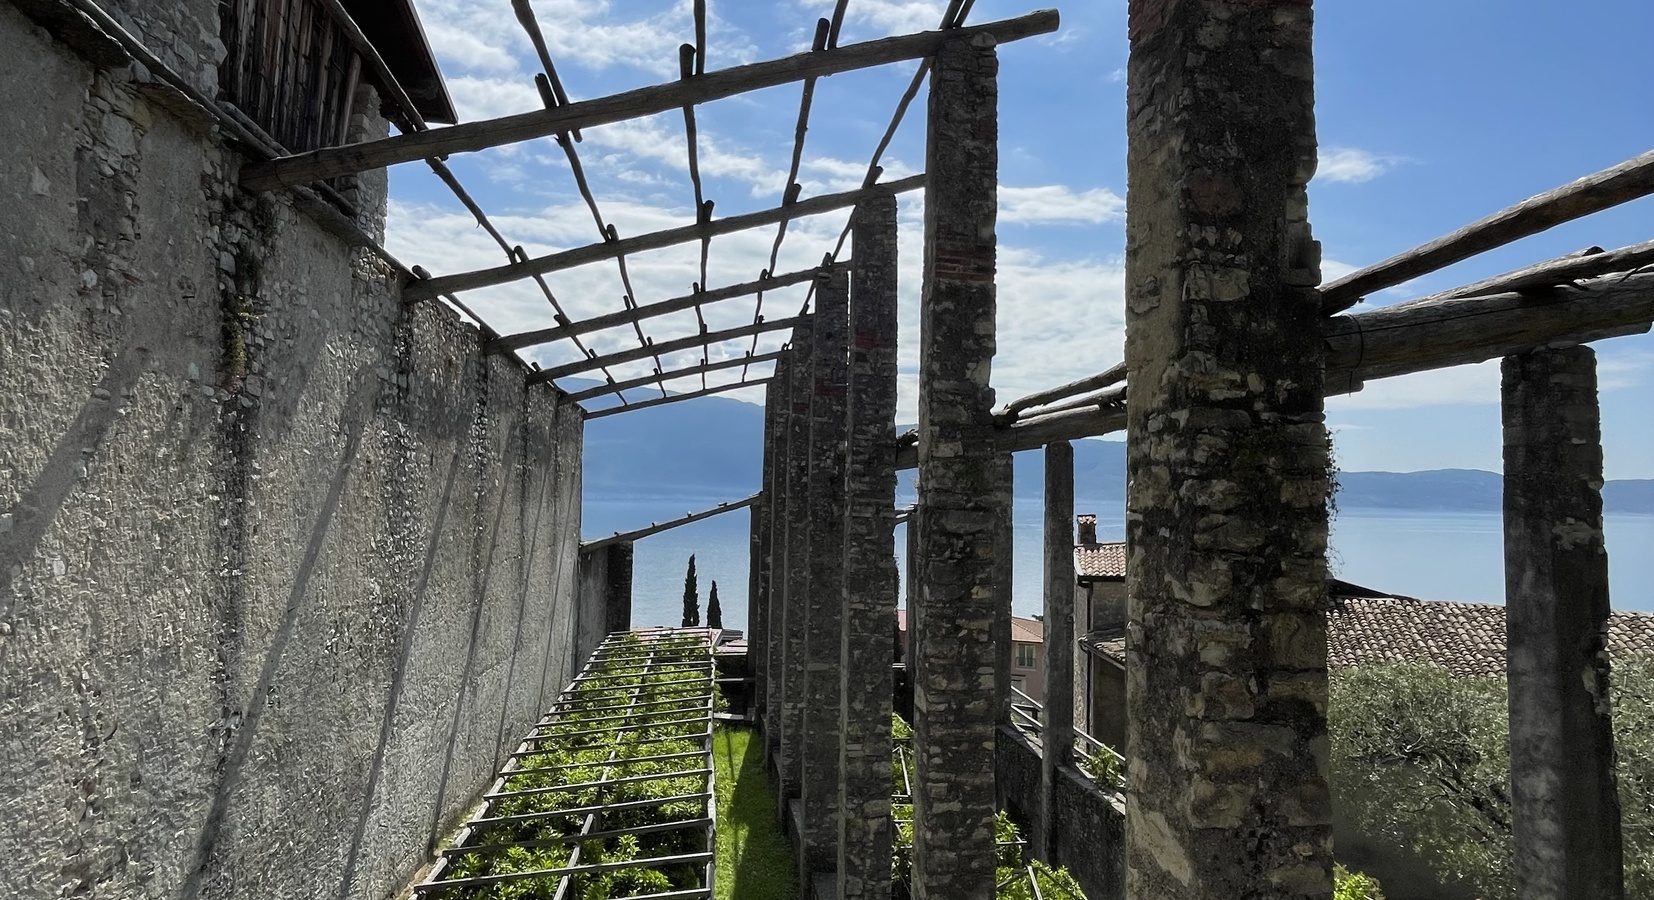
(755, 861)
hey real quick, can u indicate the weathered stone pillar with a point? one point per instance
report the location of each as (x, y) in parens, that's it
(1004, 578)
(787, 688)
(1226, 517)
(762, 599)
(1057, 731)
(618, 599)
(1565, 813)
(865, 655)
(960, 487)
(824, 597)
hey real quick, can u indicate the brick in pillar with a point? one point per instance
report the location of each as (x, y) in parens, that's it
(1565, 813)
(865, 654)
(1057, 730)
(1226, 517)
(824, 601)
(761, 597)
(962, 490)
(787, 687)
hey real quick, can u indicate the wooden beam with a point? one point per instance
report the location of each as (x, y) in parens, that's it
(334, 161)
(1433, 334)
(639, 313)
(674, 398)
(1559, 271)
(618, 386)
(1627, 181)
(1425, 334)
(637, 353)
(579, 256)
(638, 534)
(1113, 375)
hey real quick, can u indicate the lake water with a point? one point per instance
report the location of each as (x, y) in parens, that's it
(1434, 556)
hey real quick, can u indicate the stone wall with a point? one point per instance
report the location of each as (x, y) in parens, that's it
(1088, 827)
(285, 567)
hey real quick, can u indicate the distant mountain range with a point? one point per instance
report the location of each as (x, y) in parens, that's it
(712, 447)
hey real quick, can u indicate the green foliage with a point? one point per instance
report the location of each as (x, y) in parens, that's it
(1104, 768)
(714, 610)
(1347, 885)
(1422, 758)
(691, 597)
(755, 860)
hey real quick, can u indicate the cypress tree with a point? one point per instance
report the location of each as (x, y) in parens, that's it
(714, 612)
(691, 597)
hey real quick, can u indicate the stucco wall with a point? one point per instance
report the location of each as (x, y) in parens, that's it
(285, 568)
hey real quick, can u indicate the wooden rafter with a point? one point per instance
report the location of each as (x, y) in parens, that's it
(334, 161)
(637, 353)
(649, 311)
(1627, 181)
(676, 398)
(568, 259)
(1586, 264)
(647, 380)
(654, 528)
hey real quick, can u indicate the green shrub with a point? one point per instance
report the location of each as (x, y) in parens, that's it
(1347, 885)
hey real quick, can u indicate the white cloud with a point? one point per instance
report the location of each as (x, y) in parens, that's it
(1055, 203)
(1478, 383)
(1350, 165)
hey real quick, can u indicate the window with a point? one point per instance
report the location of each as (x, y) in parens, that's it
(1025, 656)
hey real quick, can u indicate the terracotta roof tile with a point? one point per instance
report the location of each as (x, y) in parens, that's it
(1028, 630)
(1100, 560)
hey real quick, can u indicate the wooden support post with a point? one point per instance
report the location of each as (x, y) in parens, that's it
(865, 654)
(824, 600)
(1057, 731)
(1226, 656)
(960, 488)
(1565, 812)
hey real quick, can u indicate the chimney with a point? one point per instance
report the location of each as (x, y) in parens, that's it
(1088, 529)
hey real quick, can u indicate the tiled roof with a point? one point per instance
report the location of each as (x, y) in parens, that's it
(1100, 560)
(1463, 638)
(1028, 630)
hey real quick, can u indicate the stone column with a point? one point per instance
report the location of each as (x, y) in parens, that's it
(761, 598)
(787, 693)
(824, 597)
(1004, 578)
(961, 488)
(865, 655)
(617, 599)
(1565, 812)
(1057, 731)
(1226, 516)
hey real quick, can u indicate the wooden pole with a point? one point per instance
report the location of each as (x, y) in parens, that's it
(471, 136)
(629, 536)
(1113, 375)
(675, 398)
(568, 259)
(637, 353)
(1586, 264)
(639, 313)
(618, 386)
(1627, 181)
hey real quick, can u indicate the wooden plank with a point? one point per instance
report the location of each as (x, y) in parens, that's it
(637, 353)
(639, 313)
(1586, 264)
(640, 533)
(675, 398)
(471, 136)
(646, 380)
(579, 256)
(1627, 181)
(1113, 375)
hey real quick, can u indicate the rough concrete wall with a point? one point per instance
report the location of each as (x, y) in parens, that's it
(1087, 825)
(286, 568)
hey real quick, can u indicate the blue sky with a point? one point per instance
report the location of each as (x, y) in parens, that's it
(1430, 115)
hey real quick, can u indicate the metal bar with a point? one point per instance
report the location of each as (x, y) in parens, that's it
(540, 770)
(571, 838)
(587, 785)
(653, 528)
(586, 365)
(478, 880)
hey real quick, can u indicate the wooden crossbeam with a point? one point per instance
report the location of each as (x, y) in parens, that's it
(637, 353)
(618, 386)
(1418, 336)
(579, 256)
(675, 398)
(638, 534)
(1585, 264)
(1101, 380)
(649, 311)
(1627, 181)
(330, 162)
